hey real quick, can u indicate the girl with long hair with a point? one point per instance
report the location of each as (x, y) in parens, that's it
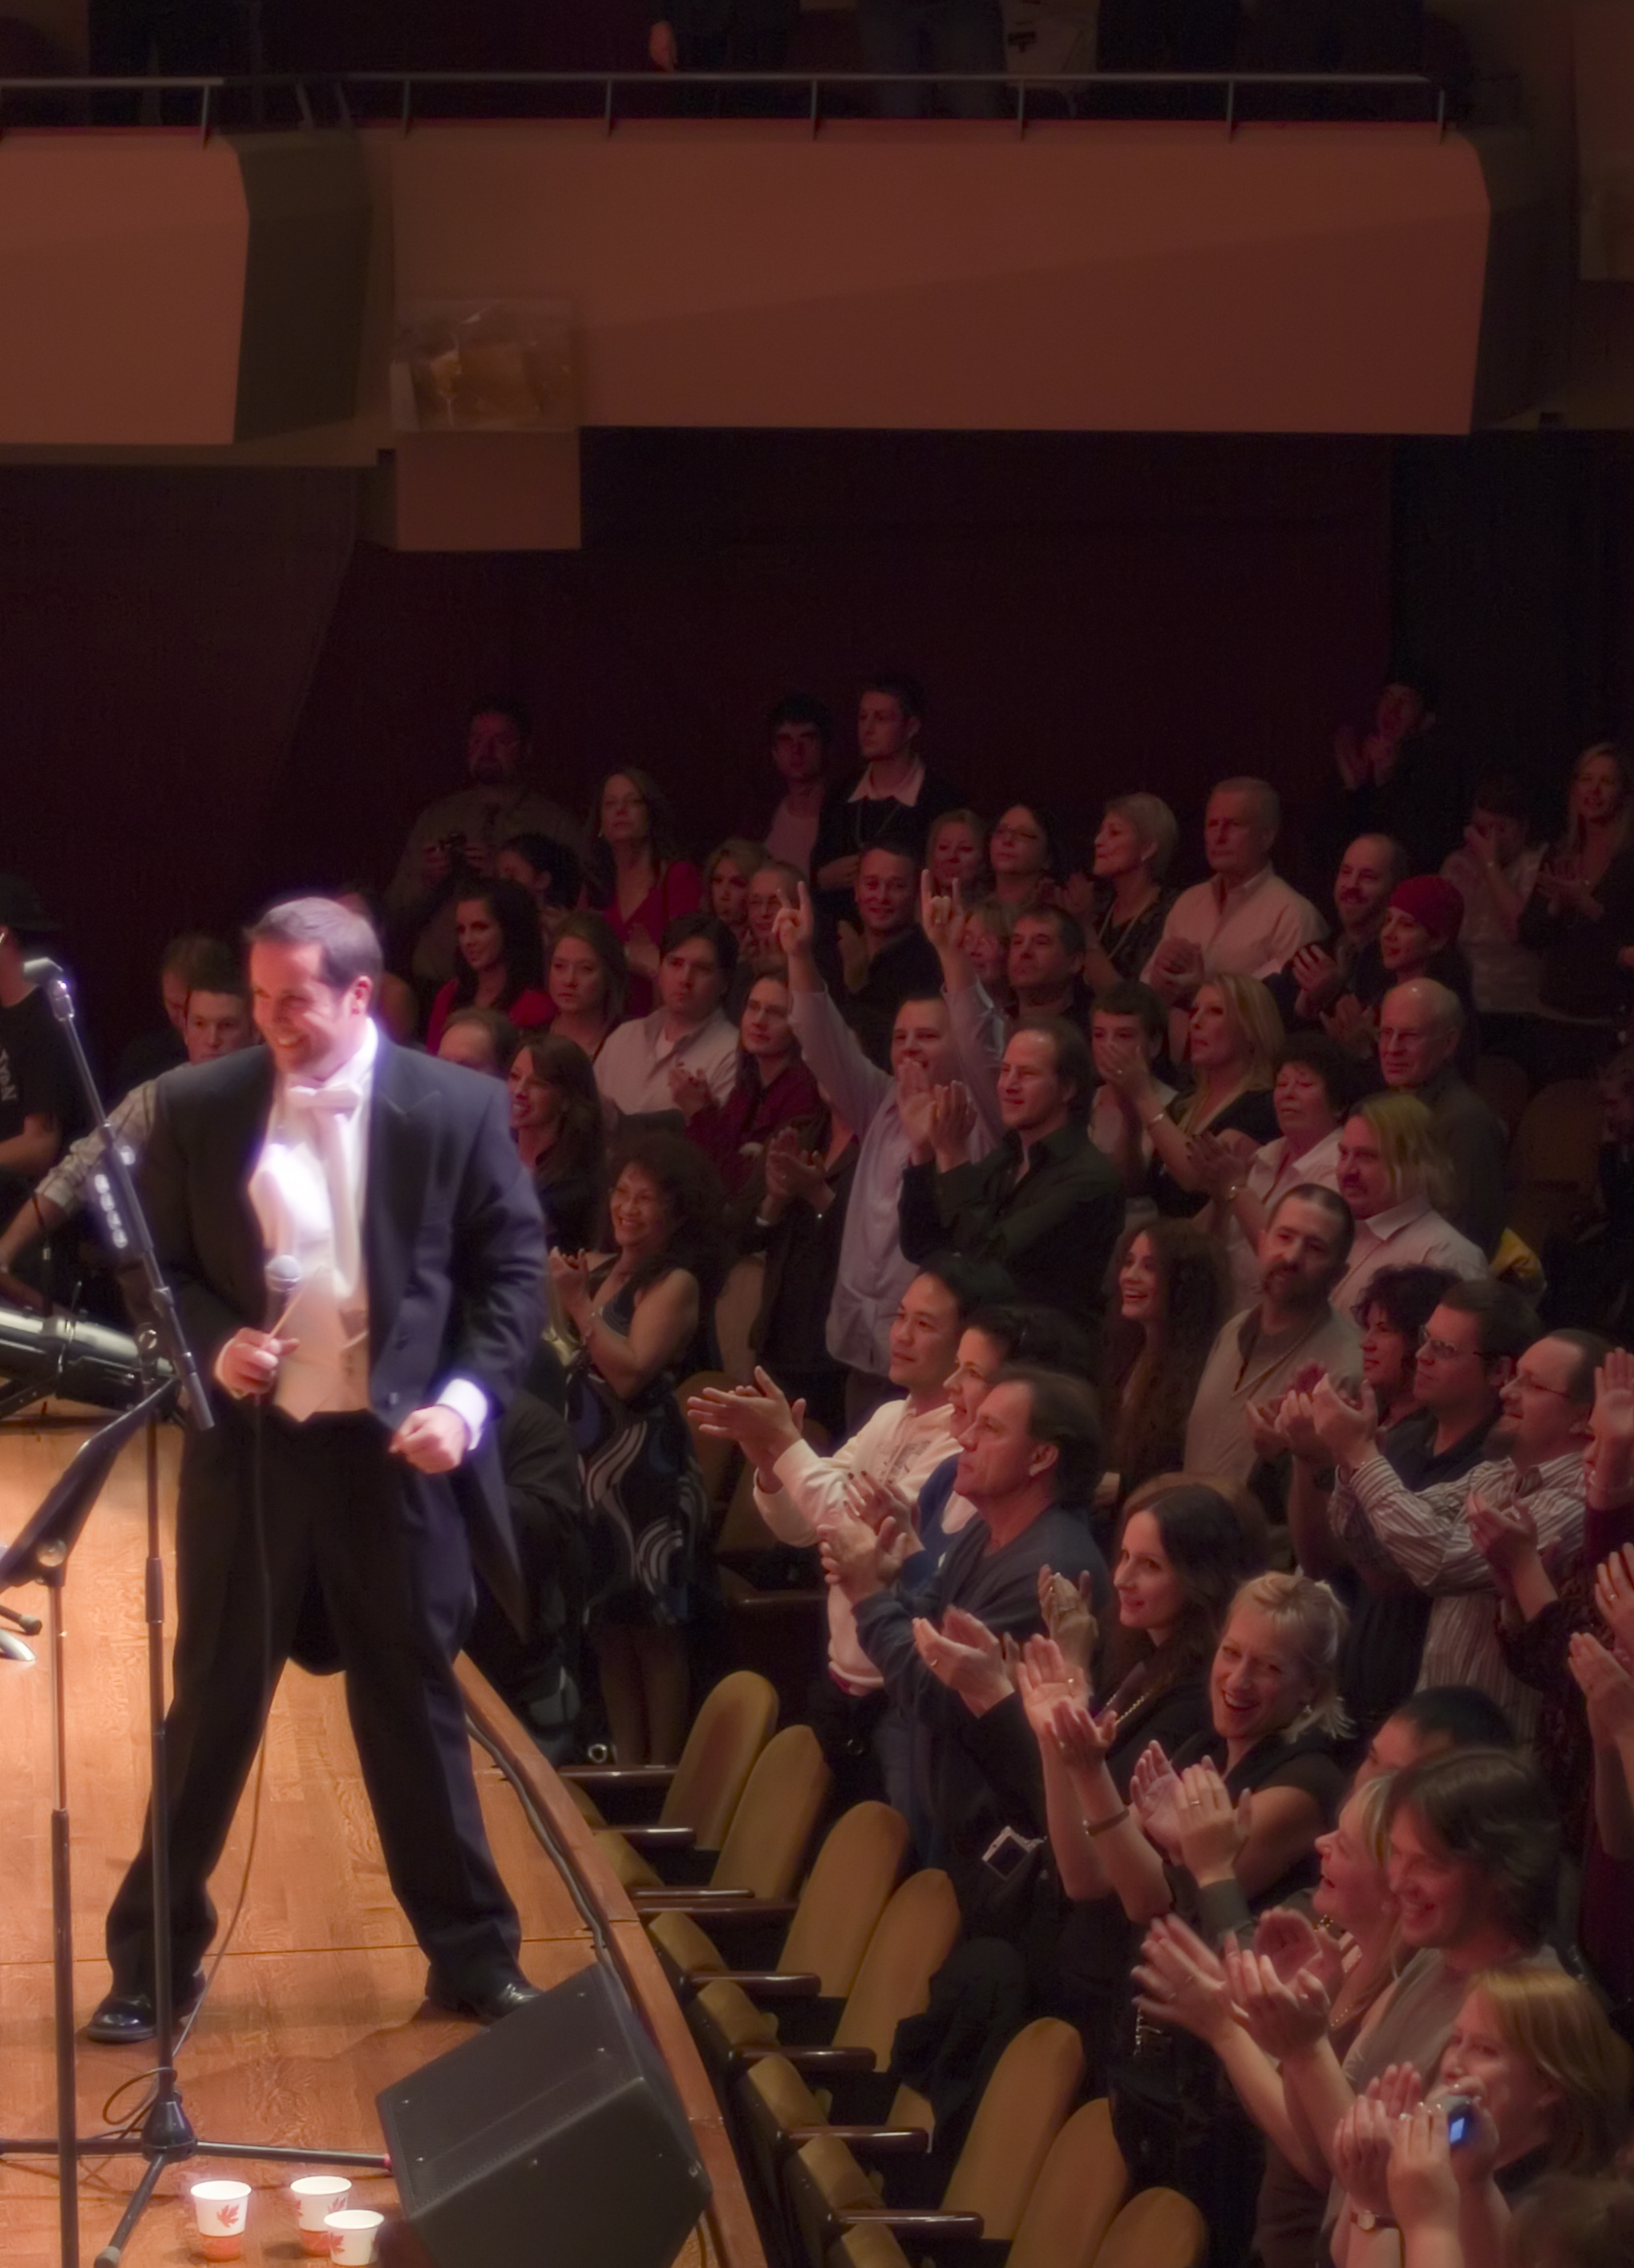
(955, 855)
(589, 982)
(559, 1131)
(1579, 918)
(1172, 1290)
(636, 876)
(1234, 1036)
(639, 1312)
(496, 934)
(727, 872)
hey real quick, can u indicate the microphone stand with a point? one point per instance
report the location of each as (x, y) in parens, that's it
(166, 2136)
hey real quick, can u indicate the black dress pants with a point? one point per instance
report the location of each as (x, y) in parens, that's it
(385, 1551)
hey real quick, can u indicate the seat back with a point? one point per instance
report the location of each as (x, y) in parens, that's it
(1556, 1144)
(765, 1846)
(1075, 2200)
(1023, 2108)
(732, 1726)
(912, 1939)
(822, 2179)
(686, 1944)
(1504, 1087)
(1157, 2228)
(855, 1873)
(867, 2248)
(743, 1529)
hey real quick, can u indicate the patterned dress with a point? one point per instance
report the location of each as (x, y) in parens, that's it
(642, 1482)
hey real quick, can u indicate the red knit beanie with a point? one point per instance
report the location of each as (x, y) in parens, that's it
(1434, 903)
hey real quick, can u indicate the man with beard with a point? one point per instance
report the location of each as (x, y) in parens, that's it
(1348, 965)
(461, 834)
(1293, 1328)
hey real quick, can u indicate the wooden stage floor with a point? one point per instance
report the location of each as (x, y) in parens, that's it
(318, 2004)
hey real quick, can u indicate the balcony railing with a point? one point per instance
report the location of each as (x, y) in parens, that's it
(211, 102)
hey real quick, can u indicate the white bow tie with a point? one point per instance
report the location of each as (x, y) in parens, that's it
(337, 1101)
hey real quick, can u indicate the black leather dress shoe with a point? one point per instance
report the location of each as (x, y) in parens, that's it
(490, 2005)
(129, 2017)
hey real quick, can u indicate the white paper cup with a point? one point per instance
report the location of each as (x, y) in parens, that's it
(352, 2233)
(316, 2196)
(222, 2209)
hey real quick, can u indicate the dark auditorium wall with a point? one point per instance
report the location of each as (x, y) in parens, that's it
(210, 689)
(1088, 613)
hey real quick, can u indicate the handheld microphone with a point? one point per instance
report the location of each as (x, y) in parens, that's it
(40, 968)
(283, 1281)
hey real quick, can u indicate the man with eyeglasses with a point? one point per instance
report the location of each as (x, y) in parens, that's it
(1535, 1462)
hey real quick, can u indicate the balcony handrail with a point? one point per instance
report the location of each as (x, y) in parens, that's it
(211, 86)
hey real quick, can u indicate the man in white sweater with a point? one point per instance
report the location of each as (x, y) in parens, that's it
(878, 1472)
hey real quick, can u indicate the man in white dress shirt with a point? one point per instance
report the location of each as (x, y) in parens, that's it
(1245, 920)
(351, 1479)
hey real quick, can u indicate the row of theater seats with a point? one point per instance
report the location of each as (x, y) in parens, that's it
(795, 1982)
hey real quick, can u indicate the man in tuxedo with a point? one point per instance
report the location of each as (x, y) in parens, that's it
(371, 1408)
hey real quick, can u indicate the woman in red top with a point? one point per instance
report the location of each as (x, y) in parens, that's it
(497, 931)
(636, 876)
(774, 1089)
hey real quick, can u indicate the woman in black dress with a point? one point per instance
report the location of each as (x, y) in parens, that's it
(637, 1312)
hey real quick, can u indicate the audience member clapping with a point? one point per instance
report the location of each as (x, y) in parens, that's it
(687, 1047)
(792, 1210)
(1246, 921)
(1046, 1204)
(1234, 1035)
(1579, 919)
(589, 982)
(1421, 931)
(1393, 1171)
(1291, 1329)
(925, 1054)
(636, 876)
(1434, 1430)
(1395, 780)
(637, 1314)
(1173, 1298)
(1349, 968)
(1534, 1469)
(1128, 1024)
(1540, 2084)
(500, 966)
(1127, 905)
(558, 1121)
(1029, 1464)
(481, 1039)
(1312, 1096)
(773, 1089)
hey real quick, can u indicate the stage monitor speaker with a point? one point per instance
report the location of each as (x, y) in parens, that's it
(555, 2137)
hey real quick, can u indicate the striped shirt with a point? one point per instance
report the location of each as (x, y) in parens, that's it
(1427, 1537)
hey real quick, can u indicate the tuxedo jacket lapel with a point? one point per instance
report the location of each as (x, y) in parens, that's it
(238, 1127)
(400, 1135)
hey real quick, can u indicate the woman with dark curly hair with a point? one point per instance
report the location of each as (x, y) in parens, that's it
(1173, 1291)
(636, 876)
(497, 931)
(638, 1312)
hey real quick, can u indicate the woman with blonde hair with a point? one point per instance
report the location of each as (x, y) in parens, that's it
(955, 855)
(1579, 919)
(987, 942)
(727, 872)
(1394, 1174)
(1124, 907)
(1543, 2080)
(1235, 1036)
